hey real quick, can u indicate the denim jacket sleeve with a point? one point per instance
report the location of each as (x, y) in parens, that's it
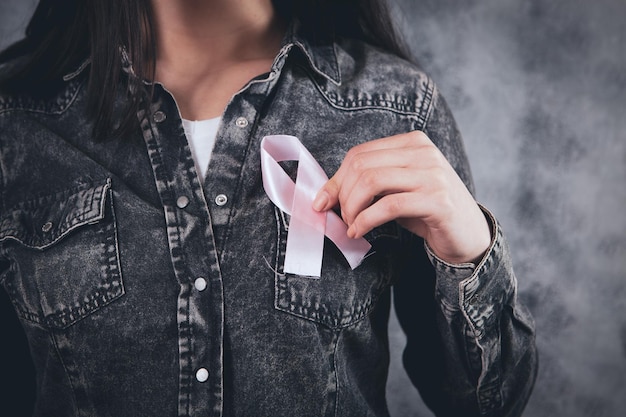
(477, 356)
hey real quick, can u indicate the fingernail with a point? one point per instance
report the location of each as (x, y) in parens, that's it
(321, 201)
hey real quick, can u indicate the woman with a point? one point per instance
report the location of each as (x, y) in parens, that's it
(147, 265)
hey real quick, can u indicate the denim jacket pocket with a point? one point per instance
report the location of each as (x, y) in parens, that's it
(63, 255)
(341, 296)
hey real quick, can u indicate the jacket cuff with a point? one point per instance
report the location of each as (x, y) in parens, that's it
(458, 284)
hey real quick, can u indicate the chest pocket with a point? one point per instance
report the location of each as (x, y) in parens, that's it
(341, 296)
(63, 255)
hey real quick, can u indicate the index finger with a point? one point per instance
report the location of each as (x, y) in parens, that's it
(328, 196)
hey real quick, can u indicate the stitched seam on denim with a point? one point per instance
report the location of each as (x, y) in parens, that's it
(277, 262)
(68, 97)
(68, 315)
(329, 320)
(71, 75)
(117, 244)
(467, 289)
(189, 343)
(362, 103)
(221, 348)
(198, 190)
(65, 370)
(299, 310)
(10, 232)
(356, 314)
(426, 106)
(170, 194)
(480, 347)
(469, 286)
(33, 317)
(472, 285)
(240, 175)
(468, 337)
(389, 107)
(106, 291)
(359, 107)
(339, 334)
(149, 134)
(33, 201)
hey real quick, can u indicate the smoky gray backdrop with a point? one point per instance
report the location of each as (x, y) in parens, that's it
(538, 88)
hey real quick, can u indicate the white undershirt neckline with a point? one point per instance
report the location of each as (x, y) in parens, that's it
(201, 138)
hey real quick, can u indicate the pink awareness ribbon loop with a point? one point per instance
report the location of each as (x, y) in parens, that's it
(307, 227)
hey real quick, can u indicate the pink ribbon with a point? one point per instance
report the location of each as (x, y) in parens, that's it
(307, 227)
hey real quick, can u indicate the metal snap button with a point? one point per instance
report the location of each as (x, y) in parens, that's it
(159, 116)
(202, 375)
(200, 284)
(241, 122)
(221, 199)
(46, 227)
(182, 201)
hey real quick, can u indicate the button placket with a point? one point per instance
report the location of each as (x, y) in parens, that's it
(202, 306)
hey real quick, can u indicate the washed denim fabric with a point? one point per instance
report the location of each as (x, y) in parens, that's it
(145, 290)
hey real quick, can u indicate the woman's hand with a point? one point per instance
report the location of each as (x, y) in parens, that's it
(406, 178)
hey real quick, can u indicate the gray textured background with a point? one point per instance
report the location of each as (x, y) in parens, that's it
(538, 88)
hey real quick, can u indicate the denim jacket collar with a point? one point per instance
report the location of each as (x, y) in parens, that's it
(321, 57)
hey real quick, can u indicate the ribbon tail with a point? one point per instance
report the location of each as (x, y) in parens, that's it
(305, 248)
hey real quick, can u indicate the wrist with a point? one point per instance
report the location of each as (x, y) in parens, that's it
(479, 238)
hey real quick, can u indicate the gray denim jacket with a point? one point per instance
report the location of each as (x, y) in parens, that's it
(145, 290)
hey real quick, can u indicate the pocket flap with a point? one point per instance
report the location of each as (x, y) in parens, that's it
(41, 222)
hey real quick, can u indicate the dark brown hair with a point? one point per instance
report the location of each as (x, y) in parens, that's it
(62, 34)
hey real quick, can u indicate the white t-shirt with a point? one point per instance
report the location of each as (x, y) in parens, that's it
(201, 137)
